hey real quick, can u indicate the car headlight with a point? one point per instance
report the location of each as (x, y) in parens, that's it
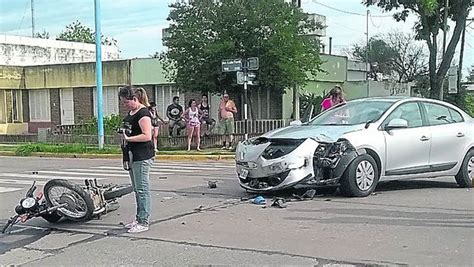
(281, 147)
(28, 203)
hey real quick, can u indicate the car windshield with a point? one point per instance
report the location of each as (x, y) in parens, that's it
(353, 113)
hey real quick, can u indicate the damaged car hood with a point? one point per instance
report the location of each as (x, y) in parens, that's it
(322, 133)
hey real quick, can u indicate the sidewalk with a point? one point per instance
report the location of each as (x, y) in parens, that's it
(174, 155)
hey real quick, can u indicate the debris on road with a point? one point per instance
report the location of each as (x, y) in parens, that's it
(212, 184)
(200, 208)
(259, 200)
(279, 203)
(307, 195)
(162, 177)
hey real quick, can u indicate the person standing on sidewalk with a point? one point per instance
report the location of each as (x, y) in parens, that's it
(155, 117)
(227, 111)
(192, 115)
(206, 117)
(135, 100)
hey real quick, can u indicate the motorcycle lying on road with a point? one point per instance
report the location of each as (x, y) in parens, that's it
(63, 199)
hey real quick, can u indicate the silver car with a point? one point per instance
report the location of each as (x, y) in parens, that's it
(358, 143)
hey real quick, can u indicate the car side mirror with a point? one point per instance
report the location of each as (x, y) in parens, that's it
(396, 124)
(296, 123)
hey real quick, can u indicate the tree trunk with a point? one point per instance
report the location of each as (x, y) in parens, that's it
(449, 54)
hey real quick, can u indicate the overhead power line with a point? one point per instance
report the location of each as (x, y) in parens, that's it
(349, 12)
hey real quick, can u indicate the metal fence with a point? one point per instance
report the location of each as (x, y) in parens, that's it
(255, 127)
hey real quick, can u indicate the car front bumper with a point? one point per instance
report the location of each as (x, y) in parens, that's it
(264, 175)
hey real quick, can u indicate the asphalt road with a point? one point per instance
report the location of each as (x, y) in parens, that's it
(418, 222)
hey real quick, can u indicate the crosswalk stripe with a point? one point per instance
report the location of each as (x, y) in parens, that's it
(8, 189)
(22, 182)
(161, 168)
(35, 176)
(110, 171)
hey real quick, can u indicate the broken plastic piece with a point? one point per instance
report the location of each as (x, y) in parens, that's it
(212, 184)
(308, 194)
(259, 200)
(279, 203)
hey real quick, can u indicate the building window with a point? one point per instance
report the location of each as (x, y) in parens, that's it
(13, 105)
(40, 109)
(110, 101)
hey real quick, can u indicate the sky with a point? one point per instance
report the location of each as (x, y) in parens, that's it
(137, 24)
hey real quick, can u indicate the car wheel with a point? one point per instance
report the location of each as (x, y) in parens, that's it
(466, 173)
(361, 177)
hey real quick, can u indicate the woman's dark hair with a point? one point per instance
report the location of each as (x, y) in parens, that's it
(152, 104)
(129, 92)
(190, 102)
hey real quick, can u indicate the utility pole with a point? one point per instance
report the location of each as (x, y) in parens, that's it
(445, 27)
(98, 74)
(296, 94)
(367, 52)
(32, 18)
(246, 135)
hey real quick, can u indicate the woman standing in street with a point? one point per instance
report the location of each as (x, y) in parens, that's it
(193, 115)
(135, 101)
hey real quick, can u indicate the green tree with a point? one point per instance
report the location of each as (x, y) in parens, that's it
(430, 14)
(203, 33)
(77, 32)
(380, 57)
(395, 55)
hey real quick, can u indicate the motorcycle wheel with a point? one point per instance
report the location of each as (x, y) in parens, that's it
(117, 191)
(79, 204)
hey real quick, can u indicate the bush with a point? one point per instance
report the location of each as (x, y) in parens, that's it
(28, 149)
(308, 100)
(111, 124)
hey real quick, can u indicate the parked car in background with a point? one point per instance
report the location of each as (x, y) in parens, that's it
(357, 144)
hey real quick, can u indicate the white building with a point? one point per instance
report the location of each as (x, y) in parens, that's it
(27, 51)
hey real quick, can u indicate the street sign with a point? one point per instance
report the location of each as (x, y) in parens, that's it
(252, 63)
(251, 76)
(240, 77)
(453, 80)
(231, 65)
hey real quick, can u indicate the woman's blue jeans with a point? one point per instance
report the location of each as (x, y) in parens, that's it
(140, 176)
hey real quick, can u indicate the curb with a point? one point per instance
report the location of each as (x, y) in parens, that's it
(118, 156)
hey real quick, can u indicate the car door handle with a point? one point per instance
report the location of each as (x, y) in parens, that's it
(460, 135)
(424, 138)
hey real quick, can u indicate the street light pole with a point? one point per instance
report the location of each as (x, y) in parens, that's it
(296, 94)
(246, 136)
(98, 74)
(367, 53)
(32, 18)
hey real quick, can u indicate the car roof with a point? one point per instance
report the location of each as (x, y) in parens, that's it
(401, 99)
